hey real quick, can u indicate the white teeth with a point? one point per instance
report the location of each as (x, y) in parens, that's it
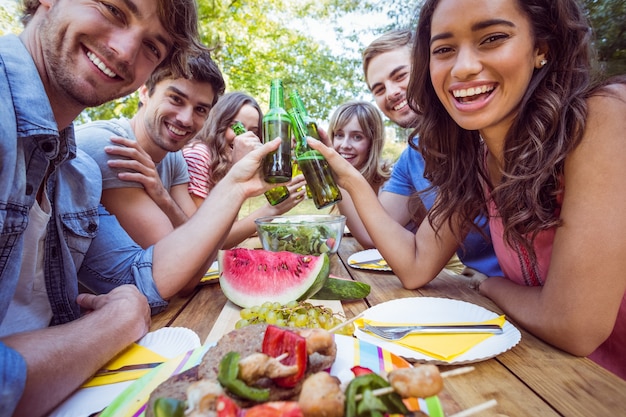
(467, 92)
(400, 105)
(176, 131)
(93, 58)
(345, 156)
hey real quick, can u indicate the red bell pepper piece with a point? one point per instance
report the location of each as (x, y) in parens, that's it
(278, 341)
(227, 407)
(360, 370)
(275, 409)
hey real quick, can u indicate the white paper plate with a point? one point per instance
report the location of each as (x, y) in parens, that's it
(169, 342)
(439, 310)
(367, 255)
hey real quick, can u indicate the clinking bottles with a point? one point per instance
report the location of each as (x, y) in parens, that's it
(277, 123)
(314, 166)
(275, 195)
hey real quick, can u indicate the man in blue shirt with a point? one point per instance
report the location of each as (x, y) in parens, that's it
(387, 65)
(72, 55)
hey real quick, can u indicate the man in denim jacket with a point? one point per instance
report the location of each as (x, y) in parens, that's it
(71, 55)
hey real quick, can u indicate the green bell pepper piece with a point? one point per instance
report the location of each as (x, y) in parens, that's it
(228, 377)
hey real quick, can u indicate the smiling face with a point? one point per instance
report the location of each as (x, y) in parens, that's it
(387, 78)
(482, 57)
(173, 114)
(351, 143)
(94, 52)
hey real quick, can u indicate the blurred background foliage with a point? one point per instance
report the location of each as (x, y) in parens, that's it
(315, 46)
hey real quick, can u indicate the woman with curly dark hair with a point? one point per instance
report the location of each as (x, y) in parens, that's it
(512, 126)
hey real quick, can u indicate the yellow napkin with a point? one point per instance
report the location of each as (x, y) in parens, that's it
(444, 347)
(133, 355)
(382, 264)
(211, 275)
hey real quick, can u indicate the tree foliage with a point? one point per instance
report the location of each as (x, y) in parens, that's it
(254, 41)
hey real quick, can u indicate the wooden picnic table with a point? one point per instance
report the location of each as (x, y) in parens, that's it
(531, 379)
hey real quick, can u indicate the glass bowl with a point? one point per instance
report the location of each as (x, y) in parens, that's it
(307, 234)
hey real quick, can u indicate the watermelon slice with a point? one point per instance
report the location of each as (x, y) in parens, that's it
(250, 277)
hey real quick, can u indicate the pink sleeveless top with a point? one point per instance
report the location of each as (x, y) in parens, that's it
(516, 265)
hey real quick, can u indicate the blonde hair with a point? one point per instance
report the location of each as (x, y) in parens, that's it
(375, 170)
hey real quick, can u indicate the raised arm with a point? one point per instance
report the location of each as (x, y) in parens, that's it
(136, 166)
(245, 227)
(415, 258)
(205, 232)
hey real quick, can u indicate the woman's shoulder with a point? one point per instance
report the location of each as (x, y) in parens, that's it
(196, 148)
(613, 92)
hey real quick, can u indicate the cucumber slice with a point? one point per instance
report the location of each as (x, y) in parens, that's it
(342, 289)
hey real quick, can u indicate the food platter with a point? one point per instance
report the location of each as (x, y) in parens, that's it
(350, 352)
(426, 310)
(367, 259)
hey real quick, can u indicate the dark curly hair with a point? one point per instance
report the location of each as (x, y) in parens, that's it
(549, 125)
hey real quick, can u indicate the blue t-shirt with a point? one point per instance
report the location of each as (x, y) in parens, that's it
(407, 178)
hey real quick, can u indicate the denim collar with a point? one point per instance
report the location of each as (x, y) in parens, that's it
(34, 114)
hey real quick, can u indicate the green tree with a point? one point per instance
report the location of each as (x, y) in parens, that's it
(608, 19)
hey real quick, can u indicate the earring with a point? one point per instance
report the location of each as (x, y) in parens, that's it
(543, 62)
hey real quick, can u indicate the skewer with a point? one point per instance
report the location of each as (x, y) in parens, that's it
(345, 323)
(475, 409)
(457, 371)
(388, 390)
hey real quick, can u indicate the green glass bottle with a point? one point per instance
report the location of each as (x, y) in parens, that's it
(309, 122)
(277, 123)
(275, 195)
(314, 166)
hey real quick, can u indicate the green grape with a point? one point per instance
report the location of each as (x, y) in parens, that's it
(301, 320)
(262, 312)
(241, 323)
(293, 314)
(246, 313)
(271, 317)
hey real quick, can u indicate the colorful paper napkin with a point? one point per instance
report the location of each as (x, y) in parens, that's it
(133, 355)
(444, 347)
(212, 275)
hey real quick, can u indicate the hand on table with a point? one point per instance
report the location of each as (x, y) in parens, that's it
(126, 306)
(474, 278)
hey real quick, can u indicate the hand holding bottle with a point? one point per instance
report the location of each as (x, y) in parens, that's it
(243, 144)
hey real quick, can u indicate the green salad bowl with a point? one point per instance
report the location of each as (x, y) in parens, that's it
(307, 234)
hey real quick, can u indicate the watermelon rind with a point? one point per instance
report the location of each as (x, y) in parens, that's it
(251, 277)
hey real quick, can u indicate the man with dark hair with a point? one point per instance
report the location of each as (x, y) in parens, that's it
(145, 178)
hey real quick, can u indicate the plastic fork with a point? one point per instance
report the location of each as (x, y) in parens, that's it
(399, 332)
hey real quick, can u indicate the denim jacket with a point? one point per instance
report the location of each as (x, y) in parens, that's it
(30, 146)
